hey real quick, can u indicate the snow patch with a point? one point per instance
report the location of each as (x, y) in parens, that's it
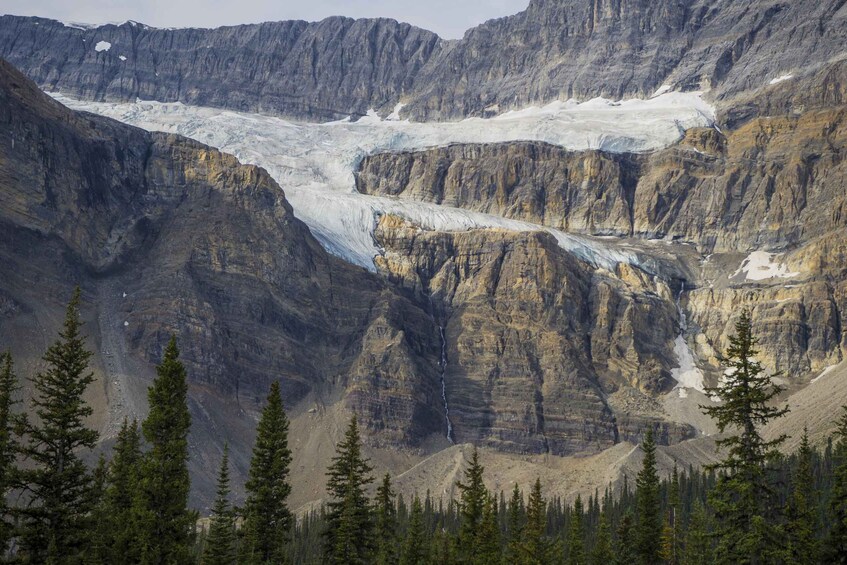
(780, 79)
(102, 46)
(760, 265)
(665, 88)
(394, 116)
(687, 375)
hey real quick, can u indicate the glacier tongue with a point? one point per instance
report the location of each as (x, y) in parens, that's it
(315, 163)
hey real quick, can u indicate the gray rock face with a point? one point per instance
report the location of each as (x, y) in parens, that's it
(322, 71)
(555, 49)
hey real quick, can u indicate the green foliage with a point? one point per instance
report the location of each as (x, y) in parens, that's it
(488, 539)
(514, 527)
(473, 497)
(349, 531)
(267, 519)
(56, 522)
(8, 445)
(648, 532)
(802, 527)
(416, 544)
(576, 535)
(386, 523)
(743, 495)
(220, 541)
(121, 499)
(698, 539)
(165, 525)
(601, 553)
(836, 542)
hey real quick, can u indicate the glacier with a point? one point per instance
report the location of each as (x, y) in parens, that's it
(314, 163)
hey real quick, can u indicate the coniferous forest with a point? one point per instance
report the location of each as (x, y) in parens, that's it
(756, 505)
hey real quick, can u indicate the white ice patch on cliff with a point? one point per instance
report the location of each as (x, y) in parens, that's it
(102, 46)
(761, 265)
(315, 163)
(780, 79)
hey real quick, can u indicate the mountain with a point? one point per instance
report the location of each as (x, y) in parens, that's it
(555, 49)
(544, 283)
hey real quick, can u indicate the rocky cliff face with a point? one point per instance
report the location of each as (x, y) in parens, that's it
(554, 50)
(535, 340)
(321, 71)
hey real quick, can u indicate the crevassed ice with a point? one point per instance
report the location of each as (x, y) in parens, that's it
(315, 163)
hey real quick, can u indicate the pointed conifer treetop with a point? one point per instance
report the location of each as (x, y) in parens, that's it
(349, 534)
(167, 527)
(267, 518)
(220, 543)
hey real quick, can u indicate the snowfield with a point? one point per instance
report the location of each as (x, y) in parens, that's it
(314, 163)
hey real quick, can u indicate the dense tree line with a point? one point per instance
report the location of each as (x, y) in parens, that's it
(754, 506)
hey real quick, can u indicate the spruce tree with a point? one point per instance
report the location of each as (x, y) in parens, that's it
(8, 445)
(416, 545)
(536, 547)
(56, 522)
(836, 541)
(471, 507)
(802, 527)
(386, 523)
(267, 519)
(625, 547)
(122, 496)
(98, 548)
(514, 526)
(165, 525)
(601, 553)
(488, 539)
(649, 526)
(742, 497)
(698, 538)
(220, 541)
(348, 538)
(576, 535)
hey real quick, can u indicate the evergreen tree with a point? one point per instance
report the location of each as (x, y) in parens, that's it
(802, 525)
(165, 525)
(649, 528)
(8, 445)
(386, 523)
(536, 547)
(576, 535)
(415, 547)
(220, 541)
(602, 553)
(121, 496)
(444, 552)
(488, 539)
(743, 494)
(267, 519)
(836, 542)
(514, 527)
(698, 538)
(624, 549)
(471, 507)
(671, 542)
(98, 549)
(56, 522)
(349, 533)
